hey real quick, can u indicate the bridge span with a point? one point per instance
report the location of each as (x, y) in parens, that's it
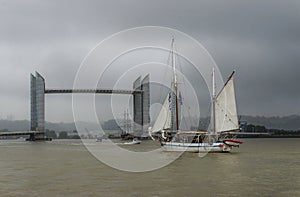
(92, 91)
(140, 93)
(32, 134)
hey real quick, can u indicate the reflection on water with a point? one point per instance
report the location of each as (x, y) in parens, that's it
(261, 167)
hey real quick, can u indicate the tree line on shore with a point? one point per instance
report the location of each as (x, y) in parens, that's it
(273, 132)
(61, 135)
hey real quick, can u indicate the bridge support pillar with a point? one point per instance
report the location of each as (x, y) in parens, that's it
(37, 109)
(141, 104)
(31, 137)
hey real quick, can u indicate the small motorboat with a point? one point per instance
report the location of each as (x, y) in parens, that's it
(232, 142)
(134, 141)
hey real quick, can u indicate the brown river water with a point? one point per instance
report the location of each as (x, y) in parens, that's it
(260, 167)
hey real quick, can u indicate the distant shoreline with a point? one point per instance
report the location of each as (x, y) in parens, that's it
(271, 136)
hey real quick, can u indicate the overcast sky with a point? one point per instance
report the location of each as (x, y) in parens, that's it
(260, 39)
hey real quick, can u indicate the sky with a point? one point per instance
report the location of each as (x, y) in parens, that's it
(260, 39)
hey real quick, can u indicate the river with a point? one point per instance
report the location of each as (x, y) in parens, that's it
(260, 167)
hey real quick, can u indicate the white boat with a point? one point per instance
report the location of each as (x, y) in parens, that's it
(134, 141)
(99, 139)
(224, 120)
(194, 141)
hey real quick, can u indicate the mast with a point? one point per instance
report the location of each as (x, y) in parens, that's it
(214, 102)
(125, 122)
(128, 123)
(175, 83)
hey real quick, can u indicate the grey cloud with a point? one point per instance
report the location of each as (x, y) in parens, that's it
(260, 39)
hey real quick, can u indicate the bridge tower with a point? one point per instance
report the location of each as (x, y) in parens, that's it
(37, 102)
(141, 104)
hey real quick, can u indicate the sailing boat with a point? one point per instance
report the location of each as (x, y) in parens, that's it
(127, 134)
(224, 120)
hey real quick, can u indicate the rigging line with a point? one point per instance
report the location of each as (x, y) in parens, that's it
(184, 122)
(184, 86)
(161, 98)
(187, 109)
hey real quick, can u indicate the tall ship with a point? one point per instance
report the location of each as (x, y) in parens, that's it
(224, 121)
(127, 133)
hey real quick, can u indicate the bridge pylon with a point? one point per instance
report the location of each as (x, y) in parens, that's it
(141, 104)
(37, 106)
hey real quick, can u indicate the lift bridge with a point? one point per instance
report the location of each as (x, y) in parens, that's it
(141, 103)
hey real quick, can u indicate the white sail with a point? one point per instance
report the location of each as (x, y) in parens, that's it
(163, 120)
(225, 108)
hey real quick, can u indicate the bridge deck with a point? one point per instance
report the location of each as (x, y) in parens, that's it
(12, 133)
(95, 91)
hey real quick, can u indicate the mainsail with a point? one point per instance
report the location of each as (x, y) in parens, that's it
(163, 120)
(225, 108)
